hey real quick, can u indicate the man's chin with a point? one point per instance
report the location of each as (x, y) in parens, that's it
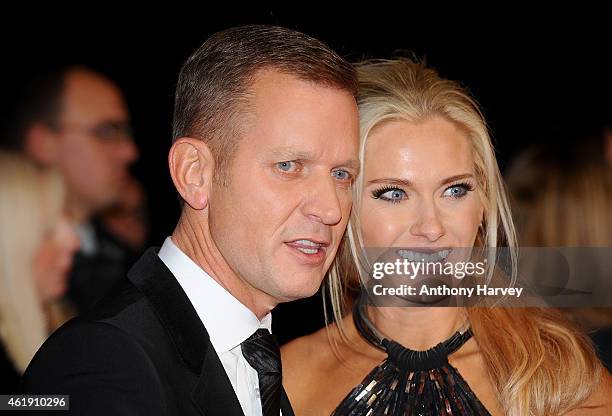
(105, 203)
(300, 291)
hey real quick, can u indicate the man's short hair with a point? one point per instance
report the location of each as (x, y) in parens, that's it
(40, 101)
(213, 85)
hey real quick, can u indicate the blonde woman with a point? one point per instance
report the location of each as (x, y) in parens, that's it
(430, 180)
(36, 247)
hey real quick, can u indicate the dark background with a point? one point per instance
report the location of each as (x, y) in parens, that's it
(538, 77)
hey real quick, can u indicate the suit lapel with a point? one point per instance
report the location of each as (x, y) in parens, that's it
(213, 394)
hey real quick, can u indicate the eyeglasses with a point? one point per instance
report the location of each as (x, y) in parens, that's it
(107, 131)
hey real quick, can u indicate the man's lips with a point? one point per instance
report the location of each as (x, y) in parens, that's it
(310, 249)
(309, 242)
(309, 245)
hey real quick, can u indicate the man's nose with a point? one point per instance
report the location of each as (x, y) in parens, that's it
(127, 151)
(323, 202)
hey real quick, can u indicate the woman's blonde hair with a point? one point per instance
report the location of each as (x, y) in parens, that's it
(527, 351)
(568, 184)
(31, 200)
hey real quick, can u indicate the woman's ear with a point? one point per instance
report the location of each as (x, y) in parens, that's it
(191, 167)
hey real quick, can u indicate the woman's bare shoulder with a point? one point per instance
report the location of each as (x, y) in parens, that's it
(306, 362)
(303, 350)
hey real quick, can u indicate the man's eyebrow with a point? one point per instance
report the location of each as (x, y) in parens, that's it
(407, 183)
(289, 153)
(352, 164)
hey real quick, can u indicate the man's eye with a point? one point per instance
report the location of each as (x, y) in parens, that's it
(112, 131)
(287, 166)
(341, 175)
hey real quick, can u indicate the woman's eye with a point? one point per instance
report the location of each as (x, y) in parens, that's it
(389, 194)
(342, 175)
(287, 166)
(458, 191)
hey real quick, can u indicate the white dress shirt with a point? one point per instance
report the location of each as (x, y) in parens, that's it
(226, 319)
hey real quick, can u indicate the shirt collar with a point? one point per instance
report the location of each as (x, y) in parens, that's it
(227, 320)
(87, 237)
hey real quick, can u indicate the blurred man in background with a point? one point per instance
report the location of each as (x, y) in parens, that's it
(76, 120)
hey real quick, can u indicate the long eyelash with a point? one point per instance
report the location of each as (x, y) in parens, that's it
(376, 194)
(467, 185)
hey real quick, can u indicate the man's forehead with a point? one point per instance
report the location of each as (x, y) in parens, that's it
(88, 94)
(270, 74)
(271, 82)
(78, 80)
(288, 118)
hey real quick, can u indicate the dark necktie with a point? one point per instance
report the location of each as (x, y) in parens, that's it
(262, 353)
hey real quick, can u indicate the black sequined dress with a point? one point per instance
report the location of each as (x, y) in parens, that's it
(411, 382)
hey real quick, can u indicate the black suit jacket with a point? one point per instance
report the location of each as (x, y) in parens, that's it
(93, 275)
(141, 351)
(9, 376)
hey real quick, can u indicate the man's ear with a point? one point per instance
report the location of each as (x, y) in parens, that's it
(191, 167)
(40, 143)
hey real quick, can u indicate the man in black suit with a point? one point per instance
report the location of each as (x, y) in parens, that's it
(264, 154)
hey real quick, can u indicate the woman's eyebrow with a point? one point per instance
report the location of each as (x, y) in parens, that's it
(393, 181)
(456, 178)
(408, 183)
